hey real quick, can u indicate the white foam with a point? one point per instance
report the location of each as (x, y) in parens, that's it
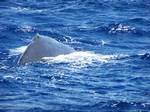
(80, 59)
(17, 50)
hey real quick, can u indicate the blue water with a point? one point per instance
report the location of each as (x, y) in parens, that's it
(109, 72)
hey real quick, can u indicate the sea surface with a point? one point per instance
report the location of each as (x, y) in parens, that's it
(109, 72)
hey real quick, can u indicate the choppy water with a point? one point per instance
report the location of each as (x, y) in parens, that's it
(109, 72)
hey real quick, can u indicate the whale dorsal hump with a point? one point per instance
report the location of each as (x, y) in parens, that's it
(36, 37)
(43, 46)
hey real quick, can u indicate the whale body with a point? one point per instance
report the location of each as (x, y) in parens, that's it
(43, 46)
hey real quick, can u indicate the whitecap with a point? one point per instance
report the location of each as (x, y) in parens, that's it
(8, 77)
(121, 28)
(26, 28)
(19, 9)
(26, 10)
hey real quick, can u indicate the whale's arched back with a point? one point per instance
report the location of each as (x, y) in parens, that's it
(43, 46)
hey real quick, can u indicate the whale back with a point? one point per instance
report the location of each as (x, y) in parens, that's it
(43, 46)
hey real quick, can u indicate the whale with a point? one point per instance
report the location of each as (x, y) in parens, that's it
(43, 46)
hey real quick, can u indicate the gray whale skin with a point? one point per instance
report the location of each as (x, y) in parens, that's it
(43, 46)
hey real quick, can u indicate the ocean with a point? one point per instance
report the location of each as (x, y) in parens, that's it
(108, 72)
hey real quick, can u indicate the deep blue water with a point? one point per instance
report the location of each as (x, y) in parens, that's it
(109, 72)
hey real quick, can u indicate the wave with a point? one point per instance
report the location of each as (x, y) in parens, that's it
(146, 56)
(26, 10)
(102, 4)
(141, 20)
(122, 105)
(115, 28)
